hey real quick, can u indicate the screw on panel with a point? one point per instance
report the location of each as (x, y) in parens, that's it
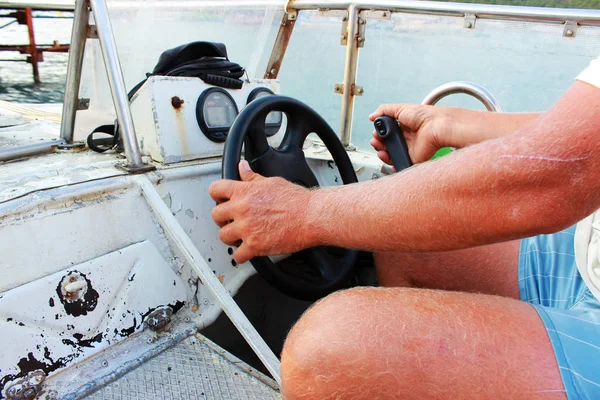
(104, 363)
(470, 20)
(73, 287)
(92, 32)
(292, 15)
(83, 104)
(570, 29)
(273, 71)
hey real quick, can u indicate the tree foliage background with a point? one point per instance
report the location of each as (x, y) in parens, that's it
(538, 3)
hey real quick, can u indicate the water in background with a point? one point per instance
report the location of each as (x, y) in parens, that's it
(527, 66)
(16, 78)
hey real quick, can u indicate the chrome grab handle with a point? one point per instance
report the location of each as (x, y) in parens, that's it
(470, 88)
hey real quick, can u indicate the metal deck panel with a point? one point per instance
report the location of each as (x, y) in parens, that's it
(189, 370)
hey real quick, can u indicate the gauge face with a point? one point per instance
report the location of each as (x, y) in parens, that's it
(274, 118)
(215, 113)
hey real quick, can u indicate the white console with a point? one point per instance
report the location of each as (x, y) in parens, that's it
(165, 117)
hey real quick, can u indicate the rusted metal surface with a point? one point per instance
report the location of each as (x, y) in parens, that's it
(28, 387)
(281, 43)
(176, 102)
(35, 52)
(35, 56)
(48, 48)
(350, 68)
(159, 319)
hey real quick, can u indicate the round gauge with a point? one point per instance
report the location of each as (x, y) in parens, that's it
(215, 113)
(274, 118)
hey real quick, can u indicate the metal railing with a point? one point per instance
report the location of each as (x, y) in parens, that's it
(443, 8)
(468, 88)
(60, 5)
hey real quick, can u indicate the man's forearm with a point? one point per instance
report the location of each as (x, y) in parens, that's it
(472, 127)
(537, 180)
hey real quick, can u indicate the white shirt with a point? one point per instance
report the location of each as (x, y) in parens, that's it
(587, 232)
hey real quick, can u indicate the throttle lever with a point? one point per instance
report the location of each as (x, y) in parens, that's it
(389, 131)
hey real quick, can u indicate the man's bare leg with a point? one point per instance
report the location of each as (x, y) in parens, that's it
(491, 269)
(402, 343)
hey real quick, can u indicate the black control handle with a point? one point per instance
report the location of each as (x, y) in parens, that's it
(389, 131)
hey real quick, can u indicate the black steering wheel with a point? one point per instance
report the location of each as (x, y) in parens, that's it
(327, 272)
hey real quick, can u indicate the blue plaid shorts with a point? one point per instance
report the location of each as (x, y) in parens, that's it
(550, 281)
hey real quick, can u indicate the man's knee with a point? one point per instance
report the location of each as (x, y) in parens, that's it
(330, 348)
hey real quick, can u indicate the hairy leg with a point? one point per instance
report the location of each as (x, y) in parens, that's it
(491, 269)
(401, 343)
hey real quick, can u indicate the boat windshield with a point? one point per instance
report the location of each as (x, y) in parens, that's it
(526, 65)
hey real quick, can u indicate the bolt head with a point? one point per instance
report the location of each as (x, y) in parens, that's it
(469, 25)
(273, 71)
(569, 32)
(361, 21)
(361, 39)
(149, 340)
(105, 363)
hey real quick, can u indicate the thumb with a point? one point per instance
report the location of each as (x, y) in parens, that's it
(246, 172)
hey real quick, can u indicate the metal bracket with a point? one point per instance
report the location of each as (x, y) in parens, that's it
(376, 14)
(92, 32)
(356, 90)
(292, 14)
(279, 47)
(362, 24)
(325, 12)
(470, 21)
(343, 14)
(71, 146)
(83, 104)
(131, 169)
(570, 29)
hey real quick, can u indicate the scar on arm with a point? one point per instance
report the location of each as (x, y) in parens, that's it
(544, 158)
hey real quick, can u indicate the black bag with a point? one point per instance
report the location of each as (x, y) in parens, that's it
(205, 60)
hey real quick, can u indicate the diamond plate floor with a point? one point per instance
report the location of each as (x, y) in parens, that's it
(189, 370)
